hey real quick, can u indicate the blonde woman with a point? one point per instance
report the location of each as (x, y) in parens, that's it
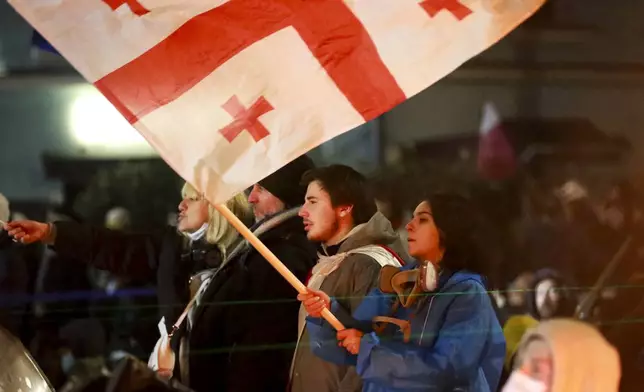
(201, 224)
(167, 257)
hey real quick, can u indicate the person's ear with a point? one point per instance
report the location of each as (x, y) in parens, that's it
(345, 211)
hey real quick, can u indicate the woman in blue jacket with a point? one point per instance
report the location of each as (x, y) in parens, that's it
(429, 326)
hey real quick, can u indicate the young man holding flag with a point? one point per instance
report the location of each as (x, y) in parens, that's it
(355, 242)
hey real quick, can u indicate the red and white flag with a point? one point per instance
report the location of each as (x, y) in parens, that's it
(496, 158)
(228, 91)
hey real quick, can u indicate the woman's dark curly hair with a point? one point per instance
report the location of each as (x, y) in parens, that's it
(459, 227)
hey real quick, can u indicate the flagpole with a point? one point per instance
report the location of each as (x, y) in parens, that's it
(271, 258)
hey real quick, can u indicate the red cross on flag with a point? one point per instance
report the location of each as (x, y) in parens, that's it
(228, 91)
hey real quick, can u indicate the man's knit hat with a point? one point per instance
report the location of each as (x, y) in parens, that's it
(285, 182)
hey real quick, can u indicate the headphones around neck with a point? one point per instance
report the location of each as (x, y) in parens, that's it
(408, 285)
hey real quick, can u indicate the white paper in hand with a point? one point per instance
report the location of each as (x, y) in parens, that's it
(162, 358)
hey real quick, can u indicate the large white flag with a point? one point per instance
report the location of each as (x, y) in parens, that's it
(228, 91)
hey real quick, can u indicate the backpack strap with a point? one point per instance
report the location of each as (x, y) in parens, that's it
(394, 254)
(380, 323)
(381, 254)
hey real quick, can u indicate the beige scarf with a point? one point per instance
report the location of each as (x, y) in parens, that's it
(328, 264)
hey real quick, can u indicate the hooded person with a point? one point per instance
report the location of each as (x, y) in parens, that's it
(548, 296)
(355, 241)
(513, 330)
(564, 356)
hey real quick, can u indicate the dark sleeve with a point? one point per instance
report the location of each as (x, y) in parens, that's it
(266, 323)
(5, 239)
(127, 254)
(13, 289)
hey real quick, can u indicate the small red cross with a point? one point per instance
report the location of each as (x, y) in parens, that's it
(134, 5)
(246, 119)
(458, 9)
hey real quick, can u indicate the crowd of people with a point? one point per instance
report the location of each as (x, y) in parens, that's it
(414, 296)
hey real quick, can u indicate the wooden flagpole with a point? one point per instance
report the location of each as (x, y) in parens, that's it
(271, 258)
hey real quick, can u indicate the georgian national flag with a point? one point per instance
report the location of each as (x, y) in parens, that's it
(496, 158)
(228, 91)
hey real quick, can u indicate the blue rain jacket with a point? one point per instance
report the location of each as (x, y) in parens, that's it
(456, 344)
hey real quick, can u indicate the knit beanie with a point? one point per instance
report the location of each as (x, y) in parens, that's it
(285, 182)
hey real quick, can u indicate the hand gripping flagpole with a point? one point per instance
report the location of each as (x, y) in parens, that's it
(271, 258)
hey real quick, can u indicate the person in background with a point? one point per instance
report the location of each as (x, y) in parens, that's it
(18, 270)
(13, 279)
(434, 326)
(564, 356)
(355, 241)
(84, 344)
(540, 234)
(621, 304)
(31, 257)
(621, 211)
(61, 285)
(513, 331)
(549, 296)
(518, 295)
(390, 203)
(396, 215)
(588, 244)
(128, 319)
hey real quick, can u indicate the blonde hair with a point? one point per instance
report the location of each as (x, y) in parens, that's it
(220, 232)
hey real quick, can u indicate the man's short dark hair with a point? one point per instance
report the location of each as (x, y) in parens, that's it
(345, 186)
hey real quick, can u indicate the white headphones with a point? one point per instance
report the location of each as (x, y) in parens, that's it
(408, 284)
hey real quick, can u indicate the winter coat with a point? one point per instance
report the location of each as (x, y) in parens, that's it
(352, 280)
